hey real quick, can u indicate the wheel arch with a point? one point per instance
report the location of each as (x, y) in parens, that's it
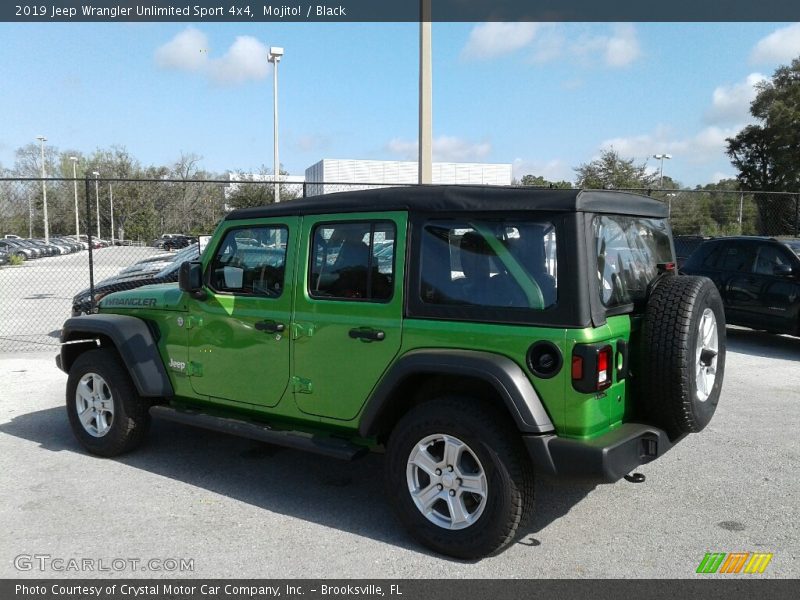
(130, 337)
(483, 374)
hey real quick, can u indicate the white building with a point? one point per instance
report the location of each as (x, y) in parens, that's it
(334, 171)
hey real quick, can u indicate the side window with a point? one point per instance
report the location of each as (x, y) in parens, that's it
(769, 257)
(737, 257)
(489, 264)
(712, 256)
(352, 261)
(250, 261)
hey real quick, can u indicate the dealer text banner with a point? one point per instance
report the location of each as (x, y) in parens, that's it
(405, 10)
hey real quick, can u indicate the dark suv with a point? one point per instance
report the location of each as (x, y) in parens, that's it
(758, 278)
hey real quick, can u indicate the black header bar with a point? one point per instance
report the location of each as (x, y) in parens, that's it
(402, 11)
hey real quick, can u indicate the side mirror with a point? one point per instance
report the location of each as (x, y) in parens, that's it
(190, 279)
(783, 270)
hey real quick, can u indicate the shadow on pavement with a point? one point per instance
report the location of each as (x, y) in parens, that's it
(761, 343)
(344, 495)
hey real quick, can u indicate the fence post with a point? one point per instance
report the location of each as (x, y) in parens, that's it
(91, 247)
(305, 193)
(741, 207)
(797, 215)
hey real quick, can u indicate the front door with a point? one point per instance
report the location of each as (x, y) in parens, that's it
(348, 314)
(777, 291)
(238, 335)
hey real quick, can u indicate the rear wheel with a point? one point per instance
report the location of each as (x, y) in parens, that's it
(683, 354)
(458, 477)
(106, 413)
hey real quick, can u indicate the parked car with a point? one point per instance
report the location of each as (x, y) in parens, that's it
(16, 248)
(47, 248)
(144, 266)
(5, 257)
(758, 278)
(165, 273)
(159, 242)
(430, 322)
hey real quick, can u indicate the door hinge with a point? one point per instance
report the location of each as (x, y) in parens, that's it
(300, 385)
(195, 369)
(191, 322)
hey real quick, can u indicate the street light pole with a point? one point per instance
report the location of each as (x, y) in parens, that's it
(661, 157)
(74, 160)
(43, 139)
(425, 93)
(111, 199)
(97, 200)
(275, 54)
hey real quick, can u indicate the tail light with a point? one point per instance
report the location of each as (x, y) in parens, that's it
(592, 367)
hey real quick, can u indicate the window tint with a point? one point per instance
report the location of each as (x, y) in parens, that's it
(769, 257)
(629, 250)
(250, 261)
(353, 261)
(712, 256)
(489, 263)
(738, 257)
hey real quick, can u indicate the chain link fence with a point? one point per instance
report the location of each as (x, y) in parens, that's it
(107, 235)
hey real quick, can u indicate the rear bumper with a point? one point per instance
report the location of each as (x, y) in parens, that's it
(607, 458)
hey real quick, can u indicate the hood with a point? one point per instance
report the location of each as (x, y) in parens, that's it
(164, 296)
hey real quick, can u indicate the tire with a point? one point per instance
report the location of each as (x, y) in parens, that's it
(682, 368)
(100, 389)
(492, 459)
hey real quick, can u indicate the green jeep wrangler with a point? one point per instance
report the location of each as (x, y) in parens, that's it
(477, 334)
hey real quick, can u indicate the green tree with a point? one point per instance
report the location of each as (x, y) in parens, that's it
(539, 181)
(767, 153)
(611, 171)
(254, 189)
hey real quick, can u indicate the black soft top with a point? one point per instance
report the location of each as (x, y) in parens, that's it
(462, 198)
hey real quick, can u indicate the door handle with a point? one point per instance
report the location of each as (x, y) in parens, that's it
(367, 335)
(270, 326)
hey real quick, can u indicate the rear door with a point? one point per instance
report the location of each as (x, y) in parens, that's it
(348, 309)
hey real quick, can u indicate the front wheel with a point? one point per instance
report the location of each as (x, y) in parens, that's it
(458, 477)
(106, 413)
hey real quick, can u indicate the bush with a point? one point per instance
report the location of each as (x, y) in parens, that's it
(15, 260)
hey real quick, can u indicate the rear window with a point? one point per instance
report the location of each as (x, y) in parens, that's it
(629, 250)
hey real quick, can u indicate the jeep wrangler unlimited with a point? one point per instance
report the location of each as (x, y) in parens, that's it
(477, 334)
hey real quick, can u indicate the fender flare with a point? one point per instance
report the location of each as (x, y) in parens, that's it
(133, 340)
(503, 374)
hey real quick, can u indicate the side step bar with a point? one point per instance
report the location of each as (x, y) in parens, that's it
(299, 440)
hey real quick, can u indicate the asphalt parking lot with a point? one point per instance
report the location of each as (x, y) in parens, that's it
(36, 296)
(245, 509)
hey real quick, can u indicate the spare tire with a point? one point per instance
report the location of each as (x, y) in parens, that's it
(682, 360)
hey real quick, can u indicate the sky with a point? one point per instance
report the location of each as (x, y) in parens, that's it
(544, 97)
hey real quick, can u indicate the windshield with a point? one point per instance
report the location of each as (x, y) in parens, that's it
(794, 246)
(629, 250)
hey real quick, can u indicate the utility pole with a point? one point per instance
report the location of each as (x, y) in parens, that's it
(425, 94)
(43, 139)
(275, 55)
(74, 160)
